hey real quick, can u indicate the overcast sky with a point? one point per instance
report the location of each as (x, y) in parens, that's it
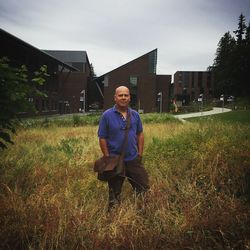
(114, 32)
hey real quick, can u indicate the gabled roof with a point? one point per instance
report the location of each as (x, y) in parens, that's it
(154, 50)
(4, 33)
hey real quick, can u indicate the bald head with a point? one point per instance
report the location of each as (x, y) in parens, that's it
(121, 88)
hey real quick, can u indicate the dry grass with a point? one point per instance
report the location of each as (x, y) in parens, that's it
(199, 196)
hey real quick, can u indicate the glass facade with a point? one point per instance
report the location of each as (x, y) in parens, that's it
(152, 61)
(133, 81)
(106, 81)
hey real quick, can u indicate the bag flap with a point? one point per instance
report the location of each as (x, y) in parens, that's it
(106, 163)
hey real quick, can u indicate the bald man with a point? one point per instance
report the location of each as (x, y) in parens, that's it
(111, 136)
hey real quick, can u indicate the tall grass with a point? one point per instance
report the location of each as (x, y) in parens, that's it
(199, 196)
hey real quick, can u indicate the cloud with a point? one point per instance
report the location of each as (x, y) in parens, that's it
(113, 32)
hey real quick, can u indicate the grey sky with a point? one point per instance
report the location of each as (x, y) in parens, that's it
(113, 32)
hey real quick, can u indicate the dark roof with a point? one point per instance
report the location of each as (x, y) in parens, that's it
(69, 55)
(31, 47)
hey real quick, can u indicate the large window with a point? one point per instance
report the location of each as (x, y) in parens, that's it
(200, 79)
(192, 80)
(185, 78)
(106, 81)
(152, 61)
(79, 65)
(209, 79)
(133, 80)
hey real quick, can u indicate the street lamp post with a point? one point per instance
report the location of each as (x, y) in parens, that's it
(82, 100)
(160, 100)
(200, 99)
(222, 99)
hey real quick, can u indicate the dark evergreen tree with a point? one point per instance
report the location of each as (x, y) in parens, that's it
(247, 37)
(232, 62)
(222, 67)
(92, 71)
(240, 32)
(247, 61)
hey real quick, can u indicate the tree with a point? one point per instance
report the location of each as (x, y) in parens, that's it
(247, 37)
(240, 32)
(92, 71)
(15, 90)
(247, 61)
(232, 62)
(222, 67)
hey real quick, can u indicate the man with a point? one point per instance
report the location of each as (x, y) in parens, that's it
(111, 136)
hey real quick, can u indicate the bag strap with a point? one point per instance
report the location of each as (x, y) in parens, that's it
(125, 141)
(120, 170)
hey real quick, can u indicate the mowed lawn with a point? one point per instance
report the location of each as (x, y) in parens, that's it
(235, 116)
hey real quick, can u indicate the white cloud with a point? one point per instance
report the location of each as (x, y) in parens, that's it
(113, 32)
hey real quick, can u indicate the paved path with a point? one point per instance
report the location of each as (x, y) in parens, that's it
(203, 113)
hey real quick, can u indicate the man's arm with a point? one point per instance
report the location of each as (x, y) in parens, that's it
(140, 140)
(104, 146)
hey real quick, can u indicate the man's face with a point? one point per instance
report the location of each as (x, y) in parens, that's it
(122, 97)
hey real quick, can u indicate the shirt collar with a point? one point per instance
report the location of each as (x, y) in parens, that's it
(116, 111)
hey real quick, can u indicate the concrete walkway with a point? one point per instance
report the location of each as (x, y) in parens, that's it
(202, 113)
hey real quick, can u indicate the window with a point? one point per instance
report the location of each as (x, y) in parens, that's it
(106, 81)
(133, 80)
(152, 61)
(185, 78)
(192, 80)
(209, 79)
(200, 79)
(79, 66)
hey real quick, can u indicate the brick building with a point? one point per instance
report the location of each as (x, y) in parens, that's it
(149, 91)
(67, 81)
(188, 85)
(74, 91)
(70, 86)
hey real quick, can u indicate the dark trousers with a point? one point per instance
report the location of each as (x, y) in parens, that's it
(137, 177)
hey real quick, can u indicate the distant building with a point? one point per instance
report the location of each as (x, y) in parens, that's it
(72, 86)
(188, 85)
(68, 79)
(75, 88)
(149, 91)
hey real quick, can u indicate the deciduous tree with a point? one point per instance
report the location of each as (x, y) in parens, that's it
(15, 90)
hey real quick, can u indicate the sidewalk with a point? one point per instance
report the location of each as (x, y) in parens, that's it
(202, 113)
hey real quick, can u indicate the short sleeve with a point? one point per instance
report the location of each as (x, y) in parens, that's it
(103, 127)
(139, 124)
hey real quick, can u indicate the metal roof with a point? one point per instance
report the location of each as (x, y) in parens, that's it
(69, 55)
(31, 47)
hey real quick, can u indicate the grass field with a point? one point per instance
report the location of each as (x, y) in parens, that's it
(199, 196)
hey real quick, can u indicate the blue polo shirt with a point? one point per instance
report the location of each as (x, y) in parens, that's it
(112, 128)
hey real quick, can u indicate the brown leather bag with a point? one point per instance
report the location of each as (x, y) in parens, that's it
(108, 167)
(106, 163)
